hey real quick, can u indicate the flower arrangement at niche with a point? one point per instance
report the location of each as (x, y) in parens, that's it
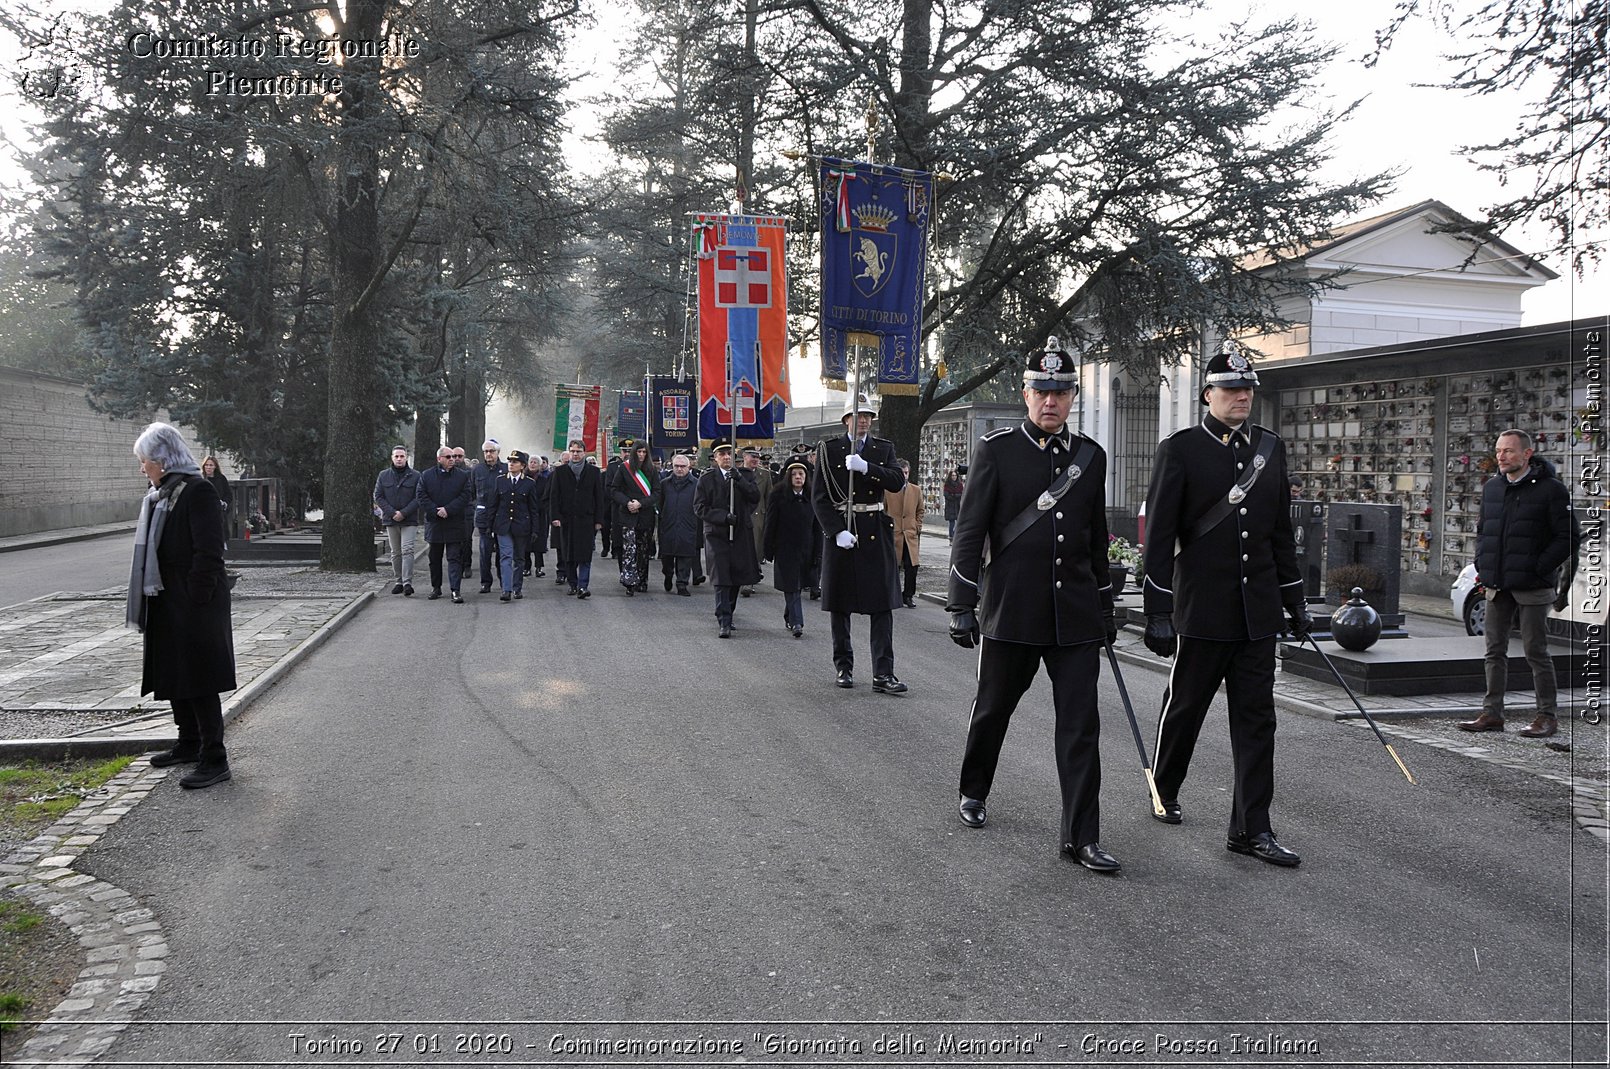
(1120, 551)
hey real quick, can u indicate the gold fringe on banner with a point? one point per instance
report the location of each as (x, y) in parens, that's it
(835, 384)
(898, 389)
(866, 341)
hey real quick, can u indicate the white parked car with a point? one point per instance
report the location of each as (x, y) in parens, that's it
(1469, 600)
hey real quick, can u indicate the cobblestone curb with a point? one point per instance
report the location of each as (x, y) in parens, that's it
(123, 941)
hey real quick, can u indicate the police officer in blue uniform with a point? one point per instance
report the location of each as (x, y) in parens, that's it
(1220, 499)
(1037, 497)
(514, 506)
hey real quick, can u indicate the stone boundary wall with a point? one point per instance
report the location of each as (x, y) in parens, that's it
(65, 464)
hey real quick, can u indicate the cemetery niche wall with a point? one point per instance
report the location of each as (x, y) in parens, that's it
(1413, 425)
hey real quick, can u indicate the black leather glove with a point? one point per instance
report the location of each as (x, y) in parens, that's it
(964, 628)
(1160, 637)
(1301, 623)
(1110, 622)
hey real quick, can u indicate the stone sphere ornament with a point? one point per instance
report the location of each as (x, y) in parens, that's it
(1356, 625)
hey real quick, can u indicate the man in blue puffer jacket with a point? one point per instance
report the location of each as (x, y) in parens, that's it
(1524, 536)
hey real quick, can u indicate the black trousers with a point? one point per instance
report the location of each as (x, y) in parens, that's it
(726, 601)
(681, 568)
(909, 590)
(882, 643)
(489, 556)
(1005, 672)
(1247, 670)
(201, 727)
(453, 552)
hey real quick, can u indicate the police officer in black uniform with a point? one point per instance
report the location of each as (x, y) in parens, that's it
(513, 507)
(858, 566)
(1220, 495)
(1038, 497)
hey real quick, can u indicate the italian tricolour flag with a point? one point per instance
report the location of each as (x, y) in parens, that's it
(576, 415)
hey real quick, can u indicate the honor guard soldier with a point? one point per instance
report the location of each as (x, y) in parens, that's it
(514, 505)
(853, 472)
(1220, 499)
(1038, 500)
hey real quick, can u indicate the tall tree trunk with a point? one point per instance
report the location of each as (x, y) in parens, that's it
(900, 416)
(427, 437)
(348, 544)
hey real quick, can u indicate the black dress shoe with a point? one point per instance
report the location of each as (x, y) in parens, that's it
(845, 678)
(668, 584)
(179, 755)
(1171, 812)
(537, 574)
(1092, 857)
(816, 594)
(205, 775)
(583, 594)
(799, 632)
(725, 632)
(397, 589)
(573, 592)
(1263, 847)
(505, 596)
(408, 590)
(458, 599)
(435, 593)
(908, 603)
(972, 812)
(486, 588)
(518, 595)
(683, 591)
(698, 580)
(642, 586)
(888, 685)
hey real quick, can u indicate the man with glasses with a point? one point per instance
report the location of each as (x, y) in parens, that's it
(679, 525)
(445, 495)
(486, 475)
(466, 548)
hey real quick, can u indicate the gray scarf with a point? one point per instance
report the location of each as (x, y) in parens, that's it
(145, 578)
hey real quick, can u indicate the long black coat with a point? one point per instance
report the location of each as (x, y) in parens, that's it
(189, 642)
(1231, 583)
(1050, 586)
(729, 534)
(679, 524)
(863, 579)
(793, 538)
(1525, 531)
(451, 490)
(577, 502)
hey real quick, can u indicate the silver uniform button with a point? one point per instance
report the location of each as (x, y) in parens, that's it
(1059, 538)
(1238, 467)
(1243, 534)
(1059, 560)
(1059, 584)
(1243, 579)
(1243, 556)
(1059, 515)
(1058, 471)
(1243, 512)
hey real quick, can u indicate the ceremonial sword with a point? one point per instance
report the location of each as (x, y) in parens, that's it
(1134, 726)
(1360, 707)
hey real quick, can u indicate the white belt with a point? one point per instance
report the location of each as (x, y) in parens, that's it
(867, 508)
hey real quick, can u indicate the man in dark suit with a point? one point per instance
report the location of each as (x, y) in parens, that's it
(577, 513)
(859, 575)
(1221, 494)
(446, 499)
(1038, 498)
(725, 501)
(486, 474)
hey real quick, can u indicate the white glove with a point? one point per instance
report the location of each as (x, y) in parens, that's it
(856, 463)
(845, 539)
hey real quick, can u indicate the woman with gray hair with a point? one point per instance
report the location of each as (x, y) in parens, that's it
(179, 599)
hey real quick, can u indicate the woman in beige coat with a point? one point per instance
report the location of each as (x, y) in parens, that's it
(905, 507)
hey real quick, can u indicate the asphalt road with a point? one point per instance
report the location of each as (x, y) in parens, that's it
(92, 564)
(594, 819)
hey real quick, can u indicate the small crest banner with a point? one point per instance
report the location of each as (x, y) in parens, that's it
(575, 415)
(874, 269)
(631, 417)
(671, 408)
